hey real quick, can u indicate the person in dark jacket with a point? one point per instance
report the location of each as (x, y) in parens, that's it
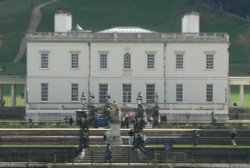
(108, 153)
(195, 137)
(233, 137)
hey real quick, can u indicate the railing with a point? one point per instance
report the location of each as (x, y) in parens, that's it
(157, 37)
(37, 155)
(169, 106)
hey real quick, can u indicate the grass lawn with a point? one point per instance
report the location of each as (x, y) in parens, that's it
(39, 146)
(176, 146)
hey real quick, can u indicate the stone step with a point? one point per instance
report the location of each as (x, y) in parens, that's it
(120, 154)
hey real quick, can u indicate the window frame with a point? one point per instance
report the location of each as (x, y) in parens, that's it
(127, 93)
(179, 92)
(74, 60)
(103, 92)
(209, 92)
(209, 61)
(44, 92)
(127, 61)
(74, 92)
(179, 61)
(151, 61)
(150, 93)
(44, 60)
(103, 60)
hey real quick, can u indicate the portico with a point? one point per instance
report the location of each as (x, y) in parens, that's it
(241, 82)
(12, 81)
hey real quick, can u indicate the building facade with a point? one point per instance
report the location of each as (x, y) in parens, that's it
(187, 71)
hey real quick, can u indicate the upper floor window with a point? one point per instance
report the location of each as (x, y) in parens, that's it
(127, 92)
(127, 61)
(44, 60)
(179, 61)
(44, 91)
(150, 61)
(150, 93)
(209, 61)
(103, 61)
(74, 92)
(103, 92)
(209, 92)
(179, 92)
(74, 60)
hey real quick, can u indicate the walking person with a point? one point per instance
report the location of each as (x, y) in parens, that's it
(108, 153)
(107, 136)
(233, 137)
(195, 137)
(131, 137)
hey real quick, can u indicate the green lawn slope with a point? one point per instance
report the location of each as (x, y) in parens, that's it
(157, 15)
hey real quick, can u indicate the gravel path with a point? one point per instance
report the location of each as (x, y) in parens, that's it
(35, 19)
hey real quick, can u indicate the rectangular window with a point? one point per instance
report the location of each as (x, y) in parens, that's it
(74, 92)
(150, 93)
(44, 91)
(151, 61)
(74, 61)
(103, 61)
(44, 60)
(103, 92)
(127, 61)
(127, 89)
(210, 61)
(179, 92)
(179, 61)
(209, 94)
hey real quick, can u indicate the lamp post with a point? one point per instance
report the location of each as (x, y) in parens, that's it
(82, 120)
(138, 125)
(156, 111)
(91, 107)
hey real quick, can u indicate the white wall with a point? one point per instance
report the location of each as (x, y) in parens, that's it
(194, 76)
(194, 55)
(116, 51)
(59, 59)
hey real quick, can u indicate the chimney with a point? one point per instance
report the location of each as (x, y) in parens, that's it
(63, 21)
(191, 22)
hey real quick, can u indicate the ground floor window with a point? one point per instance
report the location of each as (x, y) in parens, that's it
(103, 92)
(179, 92)
(209, 94)
(44, 91)
(150, 93)
(127, 89)
(74, 92)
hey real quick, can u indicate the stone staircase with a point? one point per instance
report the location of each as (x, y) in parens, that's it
(120, 154)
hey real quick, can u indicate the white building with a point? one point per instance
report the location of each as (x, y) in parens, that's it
(187, 70)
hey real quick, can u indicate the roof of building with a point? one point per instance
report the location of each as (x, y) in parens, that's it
(127, 29)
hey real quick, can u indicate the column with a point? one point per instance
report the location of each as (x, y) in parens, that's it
(13, 95)
(1, 91)
(241, 95)
(1, 94)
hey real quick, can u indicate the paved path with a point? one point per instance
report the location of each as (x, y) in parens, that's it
(35, 19)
